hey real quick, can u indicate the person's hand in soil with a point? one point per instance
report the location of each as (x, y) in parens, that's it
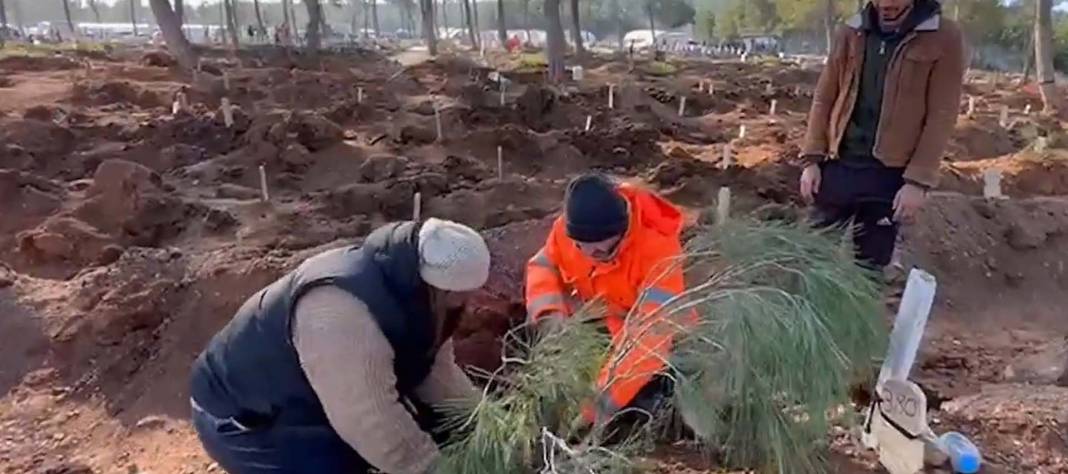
(811, 179)
(910, 198)
(579, 431)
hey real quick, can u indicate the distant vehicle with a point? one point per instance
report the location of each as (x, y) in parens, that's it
(587, 38)
(641, 39)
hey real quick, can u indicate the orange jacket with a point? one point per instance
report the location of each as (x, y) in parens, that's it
(646, 270)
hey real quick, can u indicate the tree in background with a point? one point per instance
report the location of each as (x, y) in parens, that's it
(374, 18)
(133, 16)
(171, 29)
(471, 25)
(617, 16)
(259, 16)
(1047, 83)
(502, 30)
(556, 43)
(829, 16)
(443, 27)
(315, 20)
(179, 11)
(705, 21)
(231, 23)
(70, 20)
(576, 29)
(430, 34)
(286, 20)
(95, 9)
(650, 8)
(526, 17)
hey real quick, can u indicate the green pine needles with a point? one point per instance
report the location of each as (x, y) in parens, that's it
(786, 323)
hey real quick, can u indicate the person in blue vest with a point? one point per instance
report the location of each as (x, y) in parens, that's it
(337, 366)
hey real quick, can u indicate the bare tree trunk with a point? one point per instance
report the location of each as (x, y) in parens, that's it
(286, 20)
(171, 29)
(502, 30)
(445, 19)
(366, 17)
(374, 18)
(293, 15)
(16, 11)
(231, 24)
(430, 33)
(259, 17)
(92, 6)
(1029, 60)
(526, 20)
(324, 27)
(437, 25)
(315, 19)
(179, 11)
(3, 23)
(617, 15)
(828, 23)
(70, 21)
(133, 16)
(477, 24)
(353, 24)
(470, 24)
(576, 27)
(652, 25)
(556, 42)
(1047, 84)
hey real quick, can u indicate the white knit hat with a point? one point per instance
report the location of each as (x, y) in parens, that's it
(452, 257)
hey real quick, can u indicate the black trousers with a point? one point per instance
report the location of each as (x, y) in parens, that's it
(276, 449)
(861, 195)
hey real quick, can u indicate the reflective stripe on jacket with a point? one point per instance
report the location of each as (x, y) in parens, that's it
(646, 273)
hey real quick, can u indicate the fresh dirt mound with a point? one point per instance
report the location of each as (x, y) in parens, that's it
(38, 63)
(982, 139)
(997, 253)
(158, 59)
(1017, 425)
(1025, 174)
(116, 93)
(124, 205)
(40, 139)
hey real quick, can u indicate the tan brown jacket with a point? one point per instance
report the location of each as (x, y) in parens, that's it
(921, 98)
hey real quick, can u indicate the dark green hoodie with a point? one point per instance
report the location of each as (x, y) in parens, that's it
(880, 46)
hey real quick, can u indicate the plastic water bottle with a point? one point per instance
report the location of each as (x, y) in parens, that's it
(963, 455)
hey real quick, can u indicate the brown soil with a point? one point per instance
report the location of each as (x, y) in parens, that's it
(130, 234)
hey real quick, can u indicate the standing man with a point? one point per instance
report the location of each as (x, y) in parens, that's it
(617, 245)
(883, 110)
(336, 366)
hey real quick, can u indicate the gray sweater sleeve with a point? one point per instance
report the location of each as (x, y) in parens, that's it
(349, 363)
(446, 382)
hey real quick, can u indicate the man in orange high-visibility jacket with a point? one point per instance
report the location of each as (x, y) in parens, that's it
(618, 245)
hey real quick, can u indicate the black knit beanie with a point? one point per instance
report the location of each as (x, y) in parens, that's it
(594, 211)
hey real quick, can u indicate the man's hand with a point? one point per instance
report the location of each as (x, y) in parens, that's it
(910, 198)
(810, 183)
(578, 431)
(550, 324)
